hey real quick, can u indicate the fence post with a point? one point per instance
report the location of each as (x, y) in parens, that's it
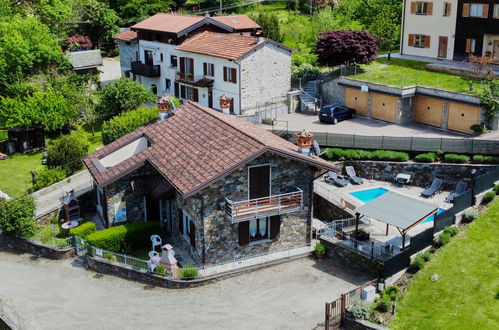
(76, 244)
(343, 306)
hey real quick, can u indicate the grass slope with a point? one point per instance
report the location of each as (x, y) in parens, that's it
(466, 296)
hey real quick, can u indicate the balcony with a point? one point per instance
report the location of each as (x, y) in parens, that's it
(264, 207)
(146, 70)
(190, 79)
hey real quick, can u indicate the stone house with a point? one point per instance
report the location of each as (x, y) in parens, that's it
(222, 187)
(201, 59)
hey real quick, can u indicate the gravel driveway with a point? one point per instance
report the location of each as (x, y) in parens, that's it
(62, 295)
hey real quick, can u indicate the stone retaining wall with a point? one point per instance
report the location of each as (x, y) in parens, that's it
(352, 324)
(326, 211)
(24, 245)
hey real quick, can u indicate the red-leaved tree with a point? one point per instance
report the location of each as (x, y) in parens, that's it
(345, 47)
(79, 42)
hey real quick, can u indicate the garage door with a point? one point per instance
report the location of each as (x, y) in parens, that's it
(462, 116)
(384, 107)
(429, 111)
(357, 100)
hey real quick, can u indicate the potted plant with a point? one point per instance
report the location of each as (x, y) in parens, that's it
(320, 250)
(478, 129)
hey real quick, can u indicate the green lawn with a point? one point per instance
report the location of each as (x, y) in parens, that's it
(402, 73)
(466, 296)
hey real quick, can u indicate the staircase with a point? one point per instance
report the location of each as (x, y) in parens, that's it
(308, 97)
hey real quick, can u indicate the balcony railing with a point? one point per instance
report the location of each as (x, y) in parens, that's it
(146, 70)
(264, 207)
(188, 78)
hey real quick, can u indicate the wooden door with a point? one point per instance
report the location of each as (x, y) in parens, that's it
(259, 181)
(428, 111)
(442, 47)
(495, 52)
(384, 107)
(462, 116)
(210, 98)
(357, 100)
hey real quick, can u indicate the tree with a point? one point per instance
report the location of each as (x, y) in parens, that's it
(121, 96)
(101, 22)
(489, 100)
(77, 41)
(479, 70)
(345, 48)
(133, 11)
(67, 152)
(270, 25)
(17, 216)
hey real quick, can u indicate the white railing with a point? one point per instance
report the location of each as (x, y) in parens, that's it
(118, 257)
(264, 207)
(53, 241)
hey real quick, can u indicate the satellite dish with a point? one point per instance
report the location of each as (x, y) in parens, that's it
(317, 149)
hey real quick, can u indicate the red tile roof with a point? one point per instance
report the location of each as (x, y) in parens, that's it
(238, 22)
(196, 147)
(164, 22)
(127, 35)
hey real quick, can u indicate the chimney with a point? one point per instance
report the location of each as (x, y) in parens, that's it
(225, 103)
(163, 108)
(304, 140)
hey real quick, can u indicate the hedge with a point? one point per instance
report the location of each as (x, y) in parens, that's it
(127, 122)
(429, 157)
(49, 176)
(83, 230)
(17, 216)
(359, 154)
(455, 158)
(480, 159)
(121, 238)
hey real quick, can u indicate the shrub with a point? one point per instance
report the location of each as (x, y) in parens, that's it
(470, 215)
(455, 158)
(451, 230)
(488, 197)
(383, 304)
(83, 230)
(359, 154)
(360, 234)
(481, 159)
(496, 189)
(123, 237)
(478, 128)
(389, 155)
(160, 270)
(305, 69)
(110, 257)
(429, 157)
(418, 262)
(17, 216)
(443, 238)
(426, 256)
(49, 176)
(67, 152)
(320, 248)
(190, 271)
(360, 309)
(126, 123)
(390, 292)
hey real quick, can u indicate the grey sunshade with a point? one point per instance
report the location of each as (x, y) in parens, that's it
(397, 210)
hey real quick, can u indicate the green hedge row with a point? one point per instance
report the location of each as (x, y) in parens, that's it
(49, 176)
(455, 158)
(429, 157)
(124, 237)
(359, 154)
(83, 230)
(126, 122)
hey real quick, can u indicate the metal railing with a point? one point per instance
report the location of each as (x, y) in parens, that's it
(192, 79)
(264, 207)
(146, 70)
(124, 259)
(56, 242)
(317, 102)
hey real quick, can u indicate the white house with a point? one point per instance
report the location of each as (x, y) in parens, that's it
(203, 58)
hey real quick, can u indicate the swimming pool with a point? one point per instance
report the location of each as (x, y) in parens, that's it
(433, 217)
(369, 194)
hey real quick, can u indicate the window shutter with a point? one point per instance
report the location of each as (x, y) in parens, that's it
(275, 227)
(466, 10)
(195, 95)
(192, 234)
(244, 233)
(205, 70)
(427, 41)
(182, 91)
(182, 64)
(234, 76)
(468, 45)
(180, 221)
(449, 8)
(414, 5)
(429, 8)
(176, 90)
(411, 39)
(191, 66)
(225, 73)
(485, 11)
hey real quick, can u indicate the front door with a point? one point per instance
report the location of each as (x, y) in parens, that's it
(210, 98)
(442, 47)
(152, 209)
(259, 181)
(166, 214)
(495, 53)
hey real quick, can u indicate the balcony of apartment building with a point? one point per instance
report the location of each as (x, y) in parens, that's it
(148, 68)
(186, 74)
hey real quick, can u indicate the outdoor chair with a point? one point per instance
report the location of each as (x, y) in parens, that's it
(333, 178)
(459, 190)
(353, 175)
(156, 241)
(153, 254)
(151, 266)
(436, 185)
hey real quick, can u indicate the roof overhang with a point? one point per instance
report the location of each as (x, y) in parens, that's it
(206, 20)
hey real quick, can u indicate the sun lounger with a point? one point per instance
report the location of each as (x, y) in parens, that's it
(333, 178)
(459, 190)
(353, 175)
(436, 185)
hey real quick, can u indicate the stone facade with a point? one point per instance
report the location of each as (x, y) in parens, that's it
(327, 211)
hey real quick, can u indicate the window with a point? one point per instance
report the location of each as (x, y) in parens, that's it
(476, 10)
(422, 8)
(259, 229)
(230, 74)
(189, 65)
(148, 57)
(447, 9)
(173, 61)
(189, 93)
(168, 84)
(496, 11)
(470, 45)
(209, 69)
(188, 229)
(161, 57)
(419, 40)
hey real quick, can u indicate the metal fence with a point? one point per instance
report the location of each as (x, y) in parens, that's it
(55, 242)
(124, 259)
(458, 145)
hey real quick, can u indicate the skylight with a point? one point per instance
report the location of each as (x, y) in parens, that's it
(123, 153)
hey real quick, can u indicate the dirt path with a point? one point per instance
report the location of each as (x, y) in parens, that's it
(63, 295)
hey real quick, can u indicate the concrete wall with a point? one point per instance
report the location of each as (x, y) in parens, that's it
(128, 54)
(21, 244)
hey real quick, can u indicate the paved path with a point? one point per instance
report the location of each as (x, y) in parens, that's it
(110, 70)
(51, 198)
(62, 295)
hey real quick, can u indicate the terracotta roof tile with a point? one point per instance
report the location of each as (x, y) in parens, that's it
(127, 35)
(190, 155)
(164, 22)
(238, 22)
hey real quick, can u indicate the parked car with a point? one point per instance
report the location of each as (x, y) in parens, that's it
(333, 113)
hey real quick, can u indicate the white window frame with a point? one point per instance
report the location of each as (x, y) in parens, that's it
(472, 45)
(189, 94)
(474, 9)
(422, 8)
(210, 69)
(419, 40)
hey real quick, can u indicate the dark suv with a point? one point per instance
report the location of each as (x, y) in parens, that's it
(333, 113)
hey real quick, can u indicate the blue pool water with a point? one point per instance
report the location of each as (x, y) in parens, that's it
(369, 194)
(433, 217)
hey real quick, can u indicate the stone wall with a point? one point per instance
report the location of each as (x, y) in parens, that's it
(350, 323)
(326, 211)
(128, 54)
(422, 173)
(39, 249)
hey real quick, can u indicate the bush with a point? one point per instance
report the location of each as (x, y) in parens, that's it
(496, 189)
(488, 197)
(160, 270)
(418, 262)
(429, 157)
(49, 176)
(126, 123)
(305, 69)
(83, 230)
(360, 234)
(426, 256)
(320, 248)
(359, 154)
(123, 237)
(390, 292)
(470, 215)
(110, 257)
(190, 271)
(481, 159)
(388, 155)
(455, 158)
(360, 309)
(478, 128)
(67, 152)
(451, 230)
(443, 238)
(17, 216)
(383, 304)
